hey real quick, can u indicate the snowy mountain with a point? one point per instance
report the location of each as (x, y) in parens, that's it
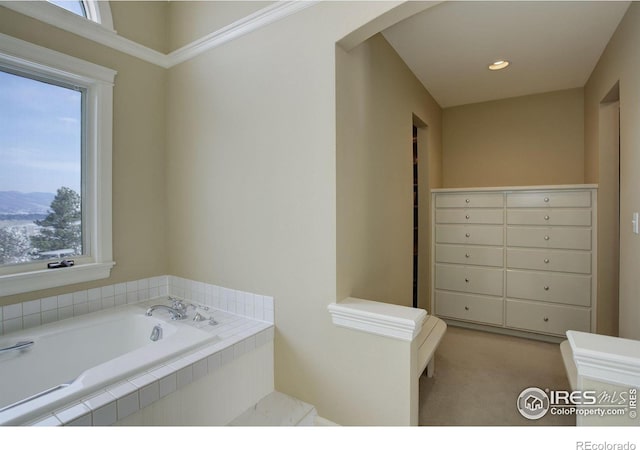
(20, 203)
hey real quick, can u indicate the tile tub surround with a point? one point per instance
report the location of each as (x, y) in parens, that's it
(239, 335)
(33, 313)
(244, 323)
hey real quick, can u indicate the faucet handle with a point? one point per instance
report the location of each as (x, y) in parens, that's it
(178, 304)
(200, 318)
(194, 306)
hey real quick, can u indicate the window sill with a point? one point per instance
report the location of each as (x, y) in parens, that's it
(43, 279)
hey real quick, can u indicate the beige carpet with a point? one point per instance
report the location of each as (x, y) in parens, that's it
(479, 376)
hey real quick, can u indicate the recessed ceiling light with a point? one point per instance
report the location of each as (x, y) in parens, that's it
(497, 65)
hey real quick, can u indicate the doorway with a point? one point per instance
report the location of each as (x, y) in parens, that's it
(415, 216)
(419, 153)
(609, 213)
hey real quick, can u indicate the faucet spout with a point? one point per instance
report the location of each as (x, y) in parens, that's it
(156, 333)
(175, 314)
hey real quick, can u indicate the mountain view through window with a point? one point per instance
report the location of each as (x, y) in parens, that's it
(40, 169)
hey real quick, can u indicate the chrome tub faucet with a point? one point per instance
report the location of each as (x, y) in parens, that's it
(176, 314)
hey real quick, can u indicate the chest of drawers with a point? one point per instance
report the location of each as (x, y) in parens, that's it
(516, 258)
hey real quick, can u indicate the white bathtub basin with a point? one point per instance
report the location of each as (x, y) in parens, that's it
(74, 357)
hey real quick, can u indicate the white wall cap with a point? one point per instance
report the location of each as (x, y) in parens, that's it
(518, 188)
(606, 358)
(384, 319)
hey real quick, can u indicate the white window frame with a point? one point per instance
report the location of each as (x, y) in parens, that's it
(98, 13)
(98, 83)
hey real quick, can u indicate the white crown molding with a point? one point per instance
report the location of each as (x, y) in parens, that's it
(259, 19)
(383, 319)
(102, 34)
(605, 358)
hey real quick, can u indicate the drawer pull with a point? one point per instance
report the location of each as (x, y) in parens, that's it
(546, 319)
(467, 255)
(466, 308)
(546, 261)
(467, 200)
(546, 217)
(546, 199)
(546, 288)
(467, 216)
(467, 234)
(466, 280)
(546, 238)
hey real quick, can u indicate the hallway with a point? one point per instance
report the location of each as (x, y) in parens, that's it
(479, 376)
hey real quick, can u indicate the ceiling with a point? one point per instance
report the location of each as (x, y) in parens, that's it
(552, 45)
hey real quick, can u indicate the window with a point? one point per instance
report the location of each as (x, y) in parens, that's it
(75, 7)
(41, 149)
(80, 17)
(55, 176)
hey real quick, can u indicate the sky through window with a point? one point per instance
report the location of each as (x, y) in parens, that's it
(73, 6)
(40, 135)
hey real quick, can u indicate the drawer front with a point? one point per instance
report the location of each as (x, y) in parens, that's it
(549, 287)
(553, 199)
(553, 260)
(470, 200)
(477, 280)
(470, 234)
(479, 216)
(474, 255)
(560, 238)
(576, 217)
(552, 319)
(473, 308)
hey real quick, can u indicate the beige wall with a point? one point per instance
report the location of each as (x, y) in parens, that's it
(144, 22)
(377, 98)
(225, 172)
(620, 62)
(191, 20)
(608, 135)
(530, 140)
(139, 215)
(252, 203)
